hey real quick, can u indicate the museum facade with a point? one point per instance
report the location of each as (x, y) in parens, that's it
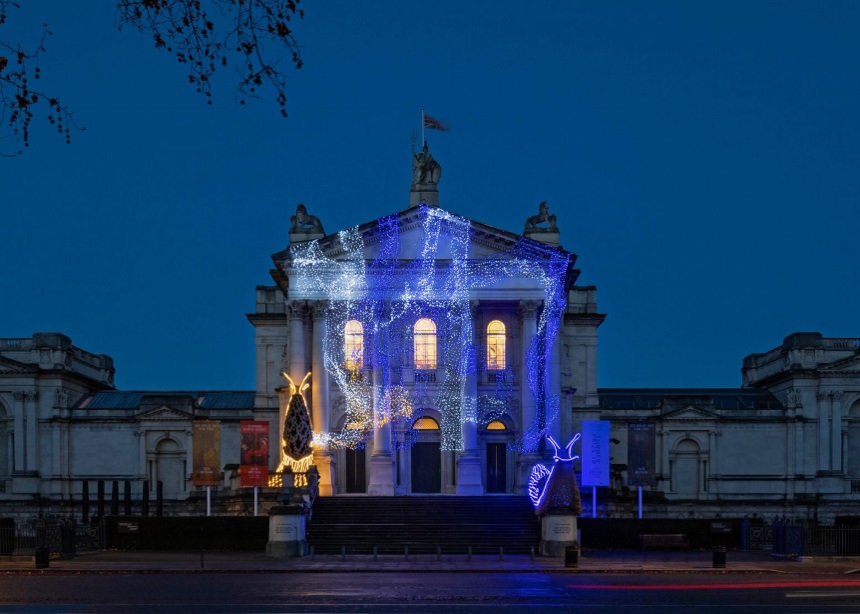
(441, 353)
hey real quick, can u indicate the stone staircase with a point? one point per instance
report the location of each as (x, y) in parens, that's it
(423, 524)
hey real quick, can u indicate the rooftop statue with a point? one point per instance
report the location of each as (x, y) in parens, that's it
(543, 216)
(425, 170)
(305, 222)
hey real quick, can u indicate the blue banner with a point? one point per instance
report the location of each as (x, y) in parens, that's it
(641, 446)
(595, 453)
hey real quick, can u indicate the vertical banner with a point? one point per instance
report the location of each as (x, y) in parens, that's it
(254, 455)
(641, 446)
(595, 453)
(206, 460)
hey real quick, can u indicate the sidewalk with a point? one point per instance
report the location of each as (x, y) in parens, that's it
(589, 562)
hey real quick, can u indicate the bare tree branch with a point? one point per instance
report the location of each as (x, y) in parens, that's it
(17, 96)
(251, 35)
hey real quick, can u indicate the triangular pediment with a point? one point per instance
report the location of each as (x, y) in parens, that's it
(410, 227)
(690, 413)
(162, 414)
(13, 367)
(421, 242)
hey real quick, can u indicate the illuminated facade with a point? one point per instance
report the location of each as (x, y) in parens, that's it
(441, 351)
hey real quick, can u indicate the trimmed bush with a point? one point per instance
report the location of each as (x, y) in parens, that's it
(623, 533)
(188, 532)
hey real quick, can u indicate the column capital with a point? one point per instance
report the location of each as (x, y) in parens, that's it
(296, 309)
(319, 308)
(822, 394)
(528, 308)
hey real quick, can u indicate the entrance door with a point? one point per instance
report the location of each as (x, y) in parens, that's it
(355, 478)
(497, 472)
(426, 467)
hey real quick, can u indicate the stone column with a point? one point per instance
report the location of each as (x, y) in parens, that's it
(320, 398)
(20, 436)
(836, 431)
(528, 309)
(527, 459)
(823, 431)
(469, 481)
(554, 390)
(31, 414)
(143, 473)
(298, 368)
(714, 455)
(381, 462)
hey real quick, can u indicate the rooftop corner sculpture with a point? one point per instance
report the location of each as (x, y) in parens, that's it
(303, 221)
(543, 216)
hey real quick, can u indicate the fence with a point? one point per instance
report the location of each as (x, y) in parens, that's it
(61, 538)
(795, 539)
(832, 541)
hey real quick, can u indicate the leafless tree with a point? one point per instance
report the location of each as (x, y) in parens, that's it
(252, 36)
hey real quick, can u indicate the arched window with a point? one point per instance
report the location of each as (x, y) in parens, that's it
(425, 344)
(496, 425)
(425, 424)
(496, 357)
(353, 344)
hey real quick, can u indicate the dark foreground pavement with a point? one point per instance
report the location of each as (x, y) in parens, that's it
(589, 562)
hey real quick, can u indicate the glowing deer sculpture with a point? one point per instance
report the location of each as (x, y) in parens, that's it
(556, 487)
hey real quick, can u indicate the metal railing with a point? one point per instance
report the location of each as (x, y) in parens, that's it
(62, 537)
(832, 541)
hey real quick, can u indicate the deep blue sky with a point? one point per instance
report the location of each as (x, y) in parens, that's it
(701, 157)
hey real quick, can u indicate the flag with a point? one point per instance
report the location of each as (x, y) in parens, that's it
(434, 124)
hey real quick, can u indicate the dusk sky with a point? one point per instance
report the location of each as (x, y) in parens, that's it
(702, 159)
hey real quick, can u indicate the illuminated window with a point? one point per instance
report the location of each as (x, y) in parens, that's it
(353, 341)
(425, 344)
(425, 424)
(496, 425)
(495, 346)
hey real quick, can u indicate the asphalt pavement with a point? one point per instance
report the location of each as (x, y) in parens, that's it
(695, 561)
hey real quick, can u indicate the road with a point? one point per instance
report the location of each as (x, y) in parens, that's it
(425, 592)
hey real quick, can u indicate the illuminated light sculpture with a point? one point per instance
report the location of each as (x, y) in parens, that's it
(390, 293)
(556, 488)
(298, 435)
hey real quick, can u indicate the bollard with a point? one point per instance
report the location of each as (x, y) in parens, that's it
(41, 558)
(343, 553)
(406, 553)
(469, 558)
(374, 553)
(532, 553)
(571, 556)
(438, 553)
(501, 553)
(719, 557)
(312, 553)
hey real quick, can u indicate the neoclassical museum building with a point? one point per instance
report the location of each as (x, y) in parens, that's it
(441, 353)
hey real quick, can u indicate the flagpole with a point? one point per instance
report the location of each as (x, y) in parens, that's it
(422, 128)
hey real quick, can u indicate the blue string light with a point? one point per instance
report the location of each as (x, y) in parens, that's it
(400, 285)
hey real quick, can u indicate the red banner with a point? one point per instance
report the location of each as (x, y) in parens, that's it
(254, 455)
